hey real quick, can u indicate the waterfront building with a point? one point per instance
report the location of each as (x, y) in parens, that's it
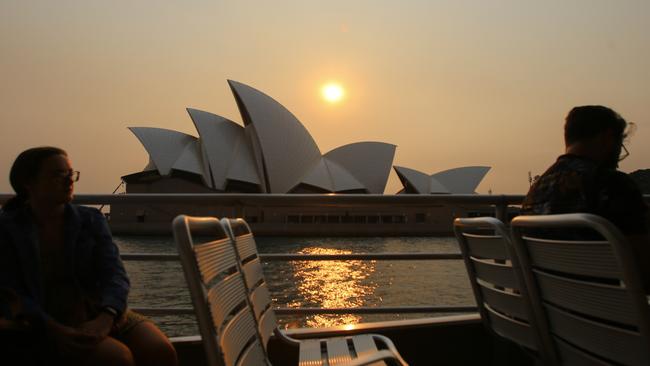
(273, 153)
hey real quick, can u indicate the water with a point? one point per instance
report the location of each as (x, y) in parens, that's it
(316, 283)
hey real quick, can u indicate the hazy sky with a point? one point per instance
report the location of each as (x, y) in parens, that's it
(451, 83)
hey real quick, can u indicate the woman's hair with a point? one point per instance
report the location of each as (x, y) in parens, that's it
(25, 169)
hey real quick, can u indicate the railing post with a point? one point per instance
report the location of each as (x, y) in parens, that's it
(501, 210)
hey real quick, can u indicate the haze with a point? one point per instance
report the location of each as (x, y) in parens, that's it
(451, 83)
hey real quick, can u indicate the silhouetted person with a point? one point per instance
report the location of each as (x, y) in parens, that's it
(61, 271)
(586, 179)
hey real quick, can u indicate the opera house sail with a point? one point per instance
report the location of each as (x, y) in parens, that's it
(272, 152)
(462, 180)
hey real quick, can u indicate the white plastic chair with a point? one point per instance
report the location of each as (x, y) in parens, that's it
(497, 284)
(337, 350)
(218, 293)
(589, 292)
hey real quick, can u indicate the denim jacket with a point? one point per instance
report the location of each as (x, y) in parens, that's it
(90, 254)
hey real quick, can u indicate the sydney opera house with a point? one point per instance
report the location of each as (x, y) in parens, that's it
(272, 152)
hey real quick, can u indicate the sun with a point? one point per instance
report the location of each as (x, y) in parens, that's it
(333, 92)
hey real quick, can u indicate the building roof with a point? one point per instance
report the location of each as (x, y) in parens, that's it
(272, 150)
(171, 150)
(279, 138)
(369, 162)
(462, 180)
(221, 148)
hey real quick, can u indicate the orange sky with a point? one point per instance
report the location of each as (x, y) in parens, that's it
(451, 83)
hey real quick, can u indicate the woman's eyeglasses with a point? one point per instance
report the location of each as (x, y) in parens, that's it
(71, 175)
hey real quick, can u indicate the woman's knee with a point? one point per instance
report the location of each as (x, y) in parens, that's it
(160, 351)
(150, 346)
(111, 352)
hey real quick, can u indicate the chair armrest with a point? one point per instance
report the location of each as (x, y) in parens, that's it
(285, 338)
(390, 346)
(384, 354)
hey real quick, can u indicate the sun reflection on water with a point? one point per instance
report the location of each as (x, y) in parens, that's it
(332, 284)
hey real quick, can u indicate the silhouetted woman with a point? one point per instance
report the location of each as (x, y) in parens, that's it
(61, 261)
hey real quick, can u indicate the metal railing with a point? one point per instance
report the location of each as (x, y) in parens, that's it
(319, 257)
(500, 204)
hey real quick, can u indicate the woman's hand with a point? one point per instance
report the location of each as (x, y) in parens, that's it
(98, 327)
(69, 340)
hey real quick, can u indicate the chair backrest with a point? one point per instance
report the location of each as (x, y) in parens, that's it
(497, 283)
(588, 291)
(218, 293)
(251, 267)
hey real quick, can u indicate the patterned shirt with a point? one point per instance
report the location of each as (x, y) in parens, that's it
(577, 184)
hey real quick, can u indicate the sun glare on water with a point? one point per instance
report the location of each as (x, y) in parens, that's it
(333, 92)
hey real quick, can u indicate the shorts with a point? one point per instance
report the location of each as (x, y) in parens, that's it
(126, 323)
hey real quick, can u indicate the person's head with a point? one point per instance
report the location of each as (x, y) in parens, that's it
(596, 131)
(43, 175)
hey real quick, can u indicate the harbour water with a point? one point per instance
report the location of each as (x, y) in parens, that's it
(315, 283)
